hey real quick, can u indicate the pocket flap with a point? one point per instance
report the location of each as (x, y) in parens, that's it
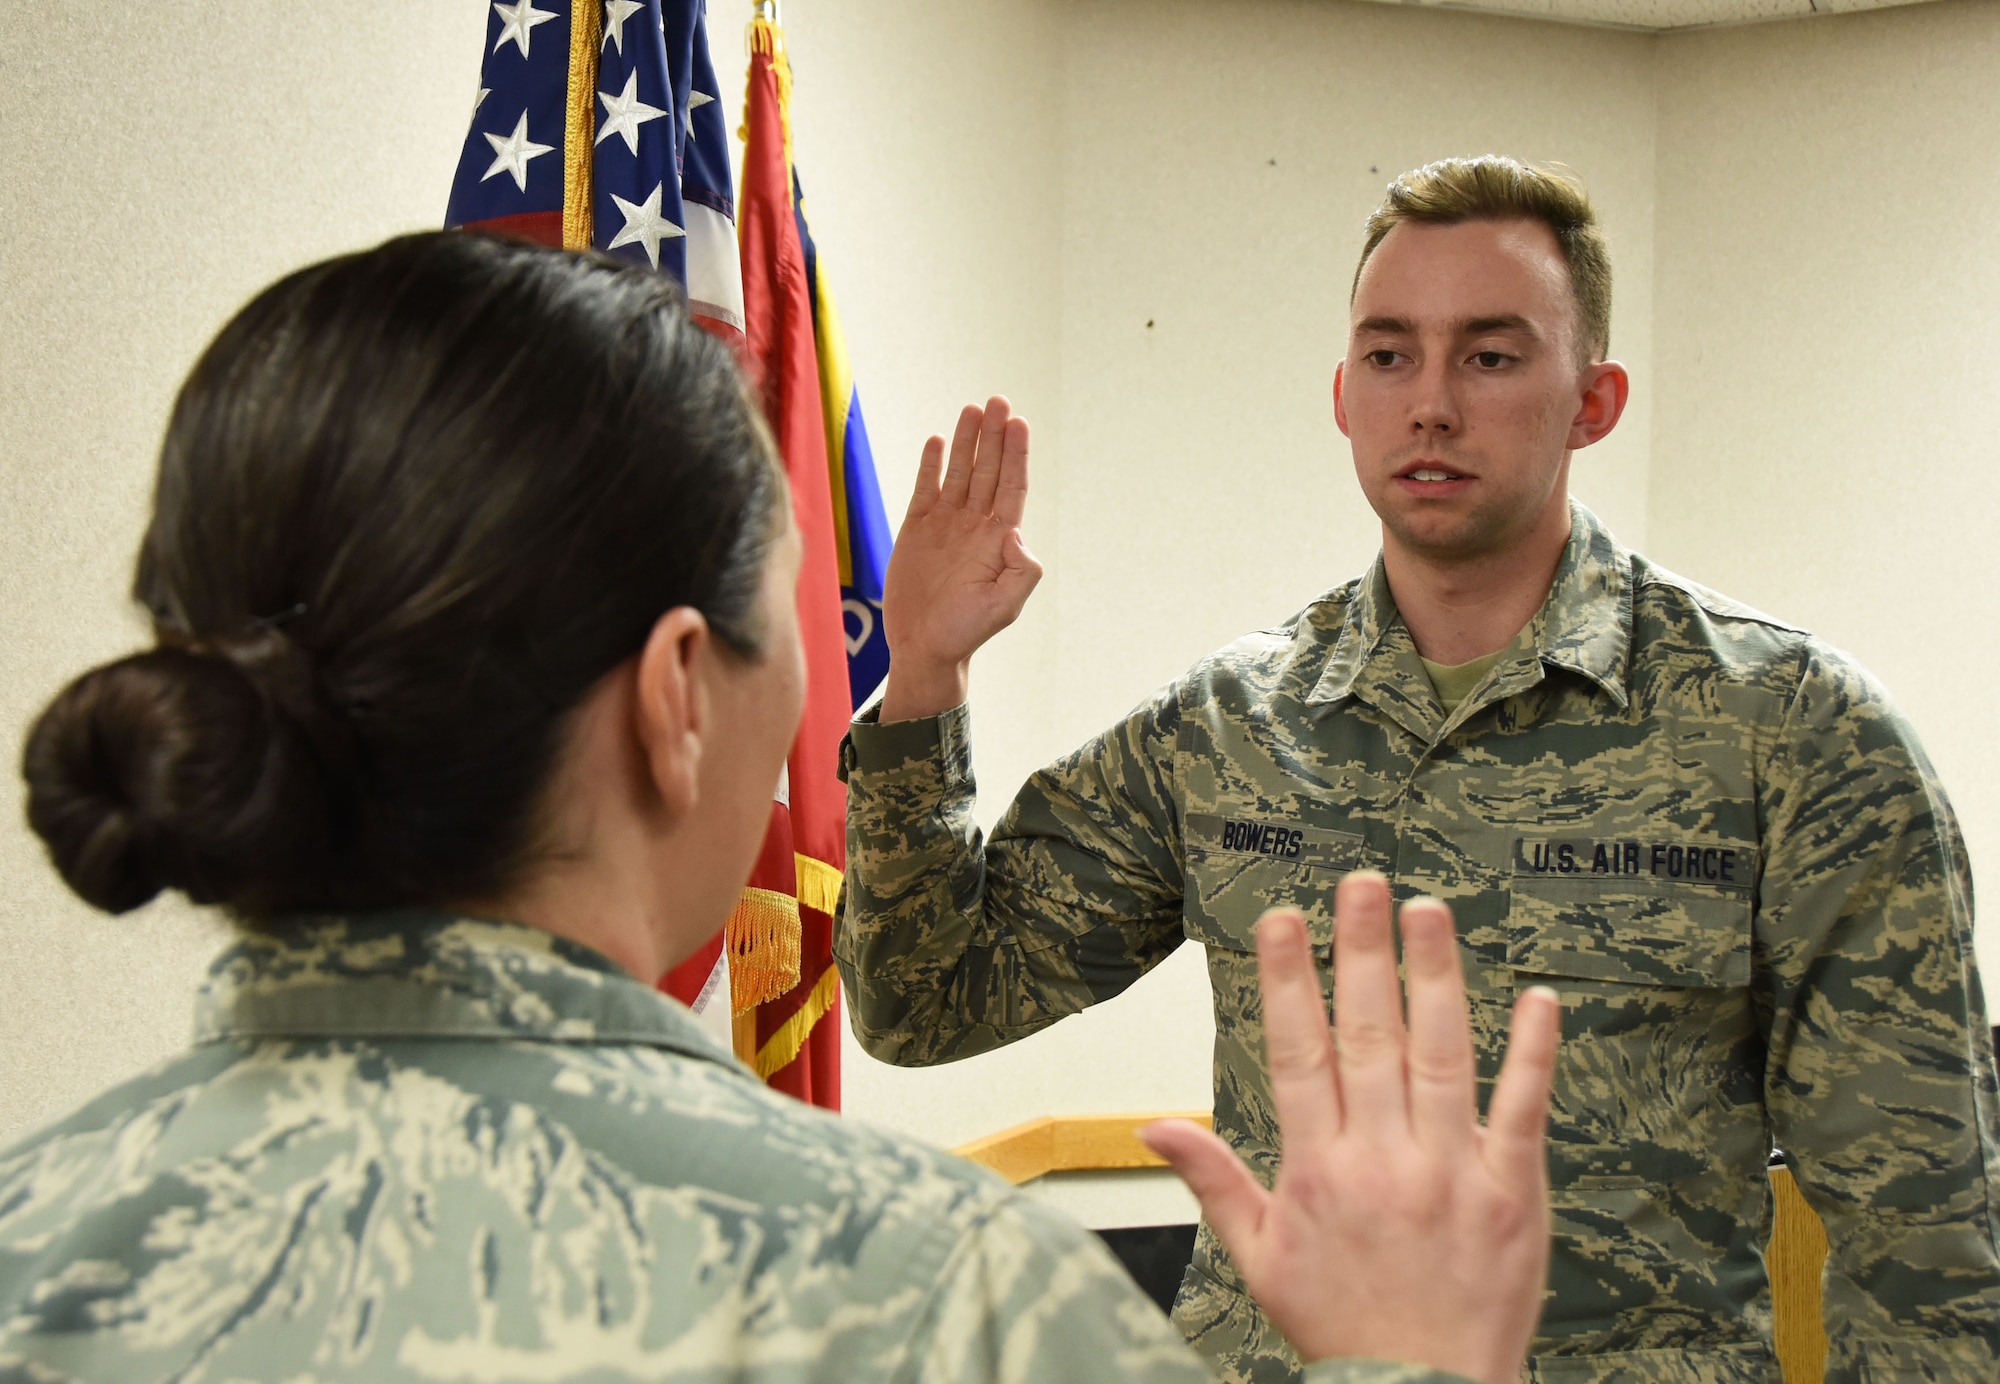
(1229, 891)
(1677, 937)
(1239, 865)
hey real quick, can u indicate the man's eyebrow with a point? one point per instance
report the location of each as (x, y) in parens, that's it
(1471, 326)
(1505, 322)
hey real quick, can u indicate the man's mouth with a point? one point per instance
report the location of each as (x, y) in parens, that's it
(1430, 473)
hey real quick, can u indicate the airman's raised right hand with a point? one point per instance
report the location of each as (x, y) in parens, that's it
(959, 573)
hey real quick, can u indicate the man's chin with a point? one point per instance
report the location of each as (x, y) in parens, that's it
(1445, 538)
(1453, 535)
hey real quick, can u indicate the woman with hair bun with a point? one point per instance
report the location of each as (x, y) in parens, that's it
(472, 574)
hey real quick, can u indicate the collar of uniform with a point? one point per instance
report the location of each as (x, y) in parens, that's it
(1375, 659)
(1585, 625)
(413, 974)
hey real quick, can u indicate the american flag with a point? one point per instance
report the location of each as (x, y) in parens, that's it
(598, 123)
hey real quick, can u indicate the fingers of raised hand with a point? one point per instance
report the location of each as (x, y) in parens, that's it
(924, 497)
(986, 460)
(1368, 1009)
(1232, 1200)
(1011, 500)
(1517, 1119)
(1443, 1110)
(964, 451)
(1304, 1086)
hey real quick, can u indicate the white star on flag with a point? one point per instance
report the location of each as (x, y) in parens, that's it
(616, 12)
(519, 23)
(625, 113)
(480, 99)
(696, 100)
(644, 225)
(511, 155)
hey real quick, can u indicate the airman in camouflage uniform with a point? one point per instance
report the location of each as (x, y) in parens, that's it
(412, 1147)
(1712, 834)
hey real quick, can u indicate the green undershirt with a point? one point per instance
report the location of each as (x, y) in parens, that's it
(1454, 682)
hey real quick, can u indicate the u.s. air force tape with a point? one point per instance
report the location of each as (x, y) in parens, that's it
(1685, 861)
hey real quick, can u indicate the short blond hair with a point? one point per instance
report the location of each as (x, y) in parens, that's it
(1493, 187)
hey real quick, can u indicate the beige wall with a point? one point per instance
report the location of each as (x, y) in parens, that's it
(1007, 192)
(1829, 354)
(1216, 181)
(159, 164)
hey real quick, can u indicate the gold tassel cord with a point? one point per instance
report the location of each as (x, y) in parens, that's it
(580, 125)
(768, 39)
(743, 1037)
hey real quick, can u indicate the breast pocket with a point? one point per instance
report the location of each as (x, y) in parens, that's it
(1237, 868)
(1675, 936)
(1650, 1083)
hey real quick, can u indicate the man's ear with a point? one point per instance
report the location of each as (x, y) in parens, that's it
(672, 714)
(1339, 400)
(1606, 387)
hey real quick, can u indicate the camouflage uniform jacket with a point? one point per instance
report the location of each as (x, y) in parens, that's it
(411, 1147)
(1712, 834)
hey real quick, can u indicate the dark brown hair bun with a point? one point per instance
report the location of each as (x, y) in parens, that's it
(168, 770)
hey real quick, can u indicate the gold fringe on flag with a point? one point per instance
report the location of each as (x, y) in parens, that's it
(819, 884)
(762, 936)
(762, 939)
(586, 37)
(786, 1043)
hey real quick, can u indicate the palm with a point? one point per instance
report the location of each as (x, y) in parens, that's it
(952, 582)
(959, 573)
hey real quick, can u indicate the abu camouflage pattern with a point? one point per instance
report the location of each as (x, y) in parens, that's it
(1715, 837)
(411, 1147)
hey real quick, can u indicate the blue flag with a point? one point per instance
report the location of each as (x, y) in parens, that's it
(861, 528)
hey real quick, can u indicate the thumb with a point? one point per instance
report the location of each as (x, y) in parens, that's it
(1232, 1200)
(1017, 561)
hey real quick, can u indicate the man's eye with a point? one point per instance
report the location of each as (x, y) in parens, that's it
(1382, 359)
(1491, 360)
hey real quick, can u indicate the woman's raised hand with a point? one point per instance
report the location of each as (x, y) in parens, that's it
(1399, 1227)
(959, 573)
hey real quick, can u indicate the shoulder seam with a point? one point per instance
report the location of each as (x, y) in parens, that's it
(1714, 603)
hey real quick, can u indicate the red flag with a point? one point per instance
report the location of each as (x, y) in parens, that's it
(689, 982)
(793, 1041)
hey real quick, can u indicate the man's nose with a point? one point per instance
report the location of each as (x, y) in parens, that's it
(1435, 408)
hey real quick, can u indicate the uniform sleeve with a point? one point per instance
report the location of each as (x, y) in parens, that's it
(1879, 1072)
(949, 947)
(1029, 1298)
